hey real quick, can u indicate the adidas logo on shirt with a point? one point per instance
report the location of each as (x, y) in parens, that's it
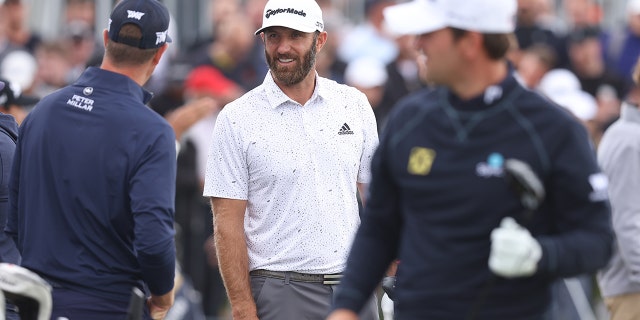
(345, 130)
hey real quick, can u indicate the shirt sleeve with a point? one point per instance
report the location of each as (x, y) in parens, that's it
(152, 196)
(577, 200)
(623, 169)
(227, 174)
(11, 229)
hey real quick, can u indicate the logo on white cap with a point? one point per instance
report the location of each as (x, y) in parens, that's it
(301, 15)
(288, 10)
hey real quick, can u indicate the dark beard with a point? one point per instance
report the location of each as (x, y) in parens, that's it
(289, 78)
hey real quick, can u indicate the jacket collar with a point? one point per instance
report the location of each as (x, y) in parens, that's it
(630, 112)
(116, 82)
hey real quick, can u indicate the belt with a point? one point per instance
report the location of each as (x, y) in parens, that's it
(328, 279)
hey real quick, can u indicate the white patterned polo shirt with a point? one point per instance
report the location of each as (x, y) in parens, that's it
(297, 167)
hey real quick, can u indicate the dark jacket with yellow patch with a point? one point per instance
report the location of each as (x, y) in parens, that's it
(438, 190)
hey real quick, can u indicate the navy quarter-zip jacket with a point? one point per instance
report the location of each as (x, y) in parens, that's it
(438, 190)
(93, 189)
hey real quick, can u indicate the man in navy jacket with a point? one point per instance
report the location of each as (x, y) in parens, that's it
(439, 201)
(93, 182)
(9, 98)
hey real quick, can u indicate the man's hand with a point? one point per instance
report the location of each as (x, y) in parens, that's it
(182, 118)
(160, 305)
(514, 252)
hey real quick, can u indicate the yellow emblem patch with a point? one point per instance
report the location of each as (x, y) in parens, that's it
(420, 161)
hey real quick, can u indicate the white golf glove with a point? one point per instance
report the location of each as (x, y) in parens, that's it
(514, 252)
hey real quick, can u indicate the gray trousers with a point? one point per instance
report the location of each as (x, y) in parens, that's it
(285, 299)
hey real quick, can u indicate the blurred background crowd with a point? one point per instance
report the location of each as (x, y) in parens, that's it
(579, 53)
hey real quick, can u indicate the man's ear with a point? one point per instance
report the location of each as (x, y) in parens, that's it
(158, 55)
(471, 44)
(105, 37)
(322, 40)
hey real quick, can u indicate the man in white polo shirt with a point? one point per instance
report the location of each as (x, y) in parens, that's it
(284, 168)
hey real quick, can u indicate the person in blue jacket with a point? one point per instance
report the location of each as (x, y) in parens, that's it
(93, 182)
(9, 98)
(439, 201)
(10, 95)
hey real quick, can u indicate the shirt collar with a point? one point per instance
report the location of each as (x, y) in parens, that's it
(277, 97)
(491, 96)
(116, 82)
(630, 112)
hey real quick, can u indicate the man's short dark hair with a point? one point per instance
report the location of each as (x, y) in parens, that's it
(123, 54)
(495, 45)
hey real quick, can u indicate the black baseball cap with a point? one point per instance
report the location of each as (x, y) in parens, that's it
(11, 94)
(150, 15)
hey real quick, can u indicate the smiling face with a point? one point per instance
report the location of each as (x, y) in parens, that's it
(291, 54)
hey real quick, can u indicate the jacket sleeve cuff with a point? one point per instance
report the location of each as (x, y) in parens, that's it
(158, 271)
(549, 261)
(348, 299)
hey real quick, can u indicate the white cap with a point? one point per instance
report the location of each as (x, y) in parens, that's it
(301, 15)
(425, 16)
(633, 7)
(580, 103)
(563, 87)
(19, 67)
(558, 81)
(365, 72)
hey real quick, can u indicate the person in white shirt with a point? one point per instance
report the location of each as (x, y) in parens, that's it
(286, 162)
(619, 155)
